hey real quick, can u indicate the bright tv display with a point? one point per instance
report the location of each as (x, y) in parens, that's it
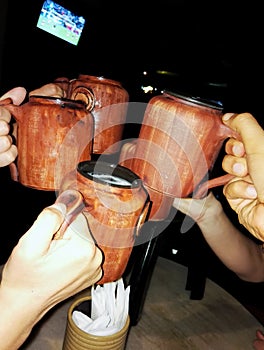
(60, 22)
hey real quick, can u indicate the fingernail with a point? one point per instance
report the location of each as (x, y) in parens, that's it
(238, 168)
(237, 150)
(251, 191)
(227, 116)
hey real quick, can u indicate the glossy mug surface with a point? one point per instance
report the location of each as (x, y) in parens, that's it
(116, 206)
(179, 141)
(44, 125)
(109, 111)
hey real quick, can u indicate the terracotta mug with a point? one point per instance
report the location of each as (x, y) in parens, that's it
(109, 112)
(116, 206)
(160, 202)
(44, 125)
(179, 141)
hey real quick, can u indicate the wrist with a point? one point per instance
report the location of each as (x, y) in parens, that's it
(211, 213)
(22, 304)
(19, 314)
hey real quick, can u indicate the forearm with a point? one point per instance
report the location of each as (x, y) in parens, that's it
(239, 253)
(18, 316)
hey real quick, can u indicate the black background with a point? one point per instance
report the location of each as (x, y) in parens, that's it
(200, 41)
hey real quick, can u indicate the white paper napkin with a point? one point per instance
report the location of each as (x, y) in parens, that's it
(109, 309)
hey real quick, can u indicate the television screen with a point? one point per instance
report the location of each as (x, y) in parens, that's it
(60, 22)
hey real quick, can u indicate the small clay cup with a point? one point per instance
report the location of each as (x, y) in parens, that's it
(77, 339)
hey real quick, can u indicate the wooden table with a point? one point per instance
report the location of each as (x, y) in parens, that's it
(170, 320)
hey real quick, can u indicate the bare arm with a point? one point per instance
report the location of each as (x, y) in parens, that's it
(239, 253)
(43, 271)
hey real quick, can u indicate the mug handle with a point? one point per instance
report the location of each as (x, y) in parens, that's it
(84, 94)
(204, 187)
(73, 200)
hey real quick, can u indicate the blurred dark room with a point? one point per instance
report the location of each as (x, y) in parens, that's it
(211, 49)
(204, 47)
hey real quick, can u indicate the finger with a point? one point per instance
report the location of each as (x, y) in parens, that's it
(5, 143)
(9, 156)
(17, 95)
(251, 215)
(240, 189)
(253, 140)
(235, 166)
(250, 130)
(4, 128)
(38, 238)
(235, 147)
(181, 204)
(5, 115)
(48, 90)
(79, 227)
(259, 334)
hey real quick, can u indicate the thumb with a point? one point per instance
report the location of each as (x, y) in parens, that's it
(182, 204)
(38, 238)
(249, 129)
(17, 95)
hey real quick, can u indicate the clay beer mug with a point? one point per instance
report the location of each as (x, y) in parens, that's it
(109, 112)
(179, 141)
(160, 202)
(116, 206)
(53, 136)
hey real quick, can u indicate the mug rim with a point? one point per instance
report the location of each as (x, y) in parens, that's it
(196, 100)
(60, 100)
(111, 169)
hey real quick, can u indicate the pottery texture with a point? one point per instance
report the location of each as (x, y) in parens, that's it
(44, 125)
(115, 214)
(178, 144)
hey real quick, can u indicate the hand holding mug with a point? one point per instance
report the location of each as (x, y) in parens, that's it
(48, 119)
(8, 151)
(245, 160)
(44, 269)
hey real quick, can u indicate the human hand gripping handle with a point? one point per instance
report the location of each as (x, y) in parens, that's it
(245, 160)
(73, 200)
(204, 212)
(8, 151)
(205, 208)
(43, 271)
(202, 190)
(72, 255)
